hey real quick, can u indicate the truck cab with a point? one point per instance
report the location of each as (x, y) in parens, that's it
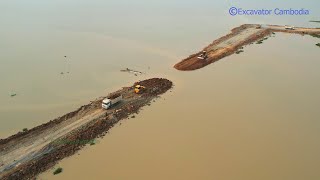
(111, 100)
(289, 27)
(106, 103)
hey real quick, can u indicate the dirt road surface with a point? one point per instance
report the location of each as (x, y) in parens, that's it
(231, 43)
(296, 30)
(26, 154)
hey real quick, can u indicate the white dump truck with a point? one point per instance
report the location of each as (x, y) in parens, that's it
(289, 27)
(111, 100)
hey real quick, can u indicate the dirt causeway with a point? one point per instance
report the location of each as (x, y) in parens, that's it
(26, 154)
(231, 43)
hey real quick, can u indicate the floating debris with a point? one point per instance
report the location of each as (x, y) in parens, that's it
(57, 171)
(61, 73)
(239, 51)
(136, 73)
(13, 95)
(259, 42)
(92, 143)
(315, 35)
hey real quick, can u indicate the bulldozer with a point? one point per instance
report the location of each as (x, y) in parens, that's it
(138, 89)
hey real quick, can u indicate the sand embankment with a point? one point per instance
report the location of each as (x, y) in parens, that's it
(231, 43)
(26, 154)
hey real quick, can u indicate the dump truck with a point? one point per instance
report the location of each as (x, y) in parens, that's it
(289, 27)
(111, 100)
(203, 55)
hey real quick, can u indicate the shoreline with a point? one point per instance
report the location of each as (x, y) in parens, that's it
(26, 154)
(234, 41)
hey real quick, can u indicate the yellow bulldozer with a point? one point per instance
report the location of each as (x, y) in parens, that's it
(138, 89)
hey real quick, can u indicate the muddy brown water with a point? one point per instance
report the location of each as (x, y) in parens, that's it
(249, 116)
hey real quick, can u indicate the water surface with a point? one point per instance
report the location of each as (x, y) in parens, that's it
(249, 116)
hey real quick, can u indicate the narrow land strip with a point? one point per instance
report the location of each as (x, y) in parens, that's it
(231, 43)
(26, 154)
